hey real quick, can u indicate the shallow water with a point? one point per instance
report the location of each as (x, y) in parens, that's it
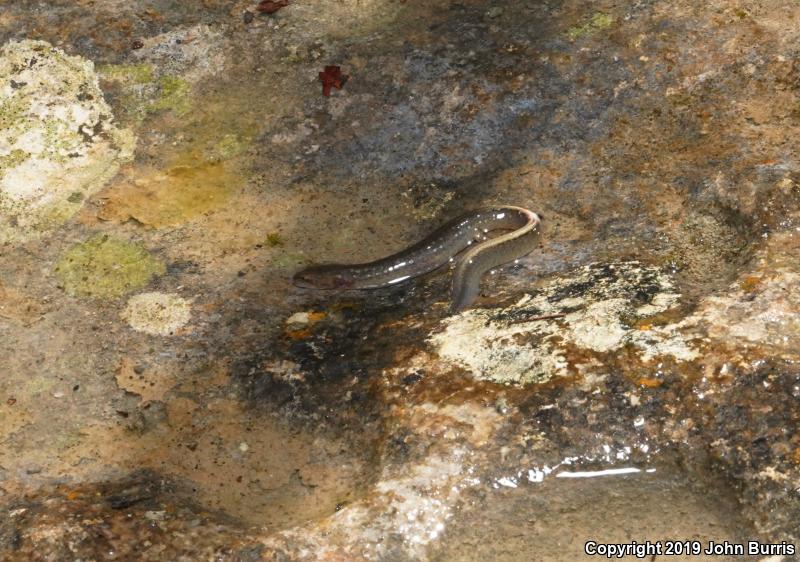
(556, 518)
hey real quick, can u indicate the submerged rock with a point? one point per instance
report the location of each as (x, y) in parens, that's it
(58, 143)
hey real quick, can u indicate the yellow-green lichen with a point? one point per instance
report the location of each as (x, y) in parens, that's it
(227, 147)
(106, 267)
(274, 239)
(12, 159)
(59, 140)
(598, 21)
(12, 111)
(173, 95)
(54, 215)
(142, 90)
(128, 73)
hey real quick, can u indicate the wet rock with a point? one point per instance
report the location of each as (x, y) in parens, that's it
(161, 199)
(149, 384)
(126, 519)
(414, 500)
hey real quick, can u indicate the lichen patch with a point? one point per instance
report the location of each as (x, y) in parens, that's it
(596, 309)
(157, 314)
(58, 143)
(106, 267)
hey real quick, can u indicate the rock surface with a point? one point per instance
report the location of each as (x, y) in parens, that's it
(634, 378)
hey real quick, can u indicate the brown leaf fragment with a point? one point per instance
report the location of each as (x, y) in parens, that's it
(271, 6)
(331, 77)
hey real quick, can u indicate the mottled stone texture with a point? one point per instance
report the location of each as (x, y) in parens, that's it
(58, 145)
(659, 141)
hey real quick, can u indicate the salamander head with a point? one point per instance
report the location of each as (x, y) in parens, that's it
(322, 277)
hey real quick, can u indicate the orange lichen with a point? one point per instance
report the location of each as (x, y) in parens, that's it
(749, 283)
(314, 317)
(649, 383)
(299, 334)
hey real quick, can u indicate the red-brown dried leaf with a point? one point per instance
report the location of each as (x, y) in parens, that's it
(271, 6)
(331, 77)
